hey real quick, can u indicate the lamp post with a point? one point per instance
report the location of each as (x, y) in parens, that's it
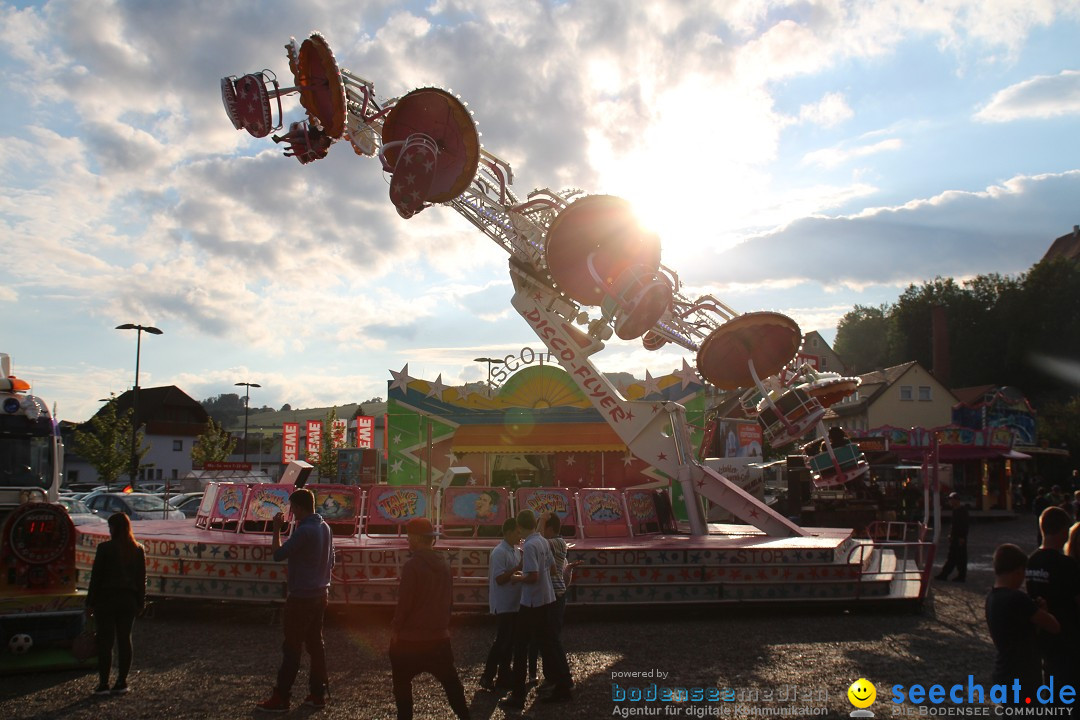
(247, 401)
(490, 362)
(135, 393)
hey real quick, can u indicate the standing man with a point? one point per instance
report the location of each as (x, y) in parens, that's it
(310, 552)
(537, 605)
(504, 600)
(420, 631)
(1055, 577)
(958, 534)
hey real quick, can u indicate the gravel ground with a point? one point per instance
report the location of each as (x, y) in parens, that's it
(215, 661)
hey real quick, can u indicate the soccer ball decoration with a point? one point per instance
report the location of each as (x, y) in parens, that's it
(20, 644)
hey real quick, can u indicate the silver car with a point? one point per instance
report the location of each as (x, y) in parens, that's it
(137, 506)
(78, 511)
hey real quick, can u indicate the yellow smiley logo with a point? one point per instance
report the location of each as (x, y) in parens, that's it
(862, 693)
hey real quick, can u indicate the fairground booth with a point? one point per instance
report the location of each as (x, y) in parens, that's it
(534, 430)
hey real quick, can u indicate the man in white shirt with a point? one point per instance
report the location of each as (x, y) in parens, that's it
(504, 599)
(537, 601)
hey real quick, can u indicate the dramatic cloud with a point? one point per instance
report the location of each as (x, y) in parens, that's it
(1003, 229)
(1043, 96)
(126, 195)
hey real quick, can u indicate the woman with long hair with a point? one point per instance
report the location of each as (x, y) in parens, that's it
(116, 595)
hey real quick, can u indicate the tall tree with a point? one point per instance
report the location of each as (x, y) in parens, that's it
(105, 442)
(214, 445)
(862, 338)
(910, 329)
(327, 465)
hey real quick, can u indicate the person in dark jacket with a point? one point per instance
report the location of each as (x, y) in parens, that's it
(958, 534)
(310, 552)
(116, 595)
(419, 633)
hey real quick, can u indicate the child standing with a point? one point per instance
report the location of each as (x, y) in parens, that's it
(1011, 615)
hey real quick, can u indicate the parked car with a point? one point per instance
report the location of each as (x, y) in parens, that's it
(78, 511)
(149, 487)
(182, 497)
(190, 505)
(137, 506)
(116, 487)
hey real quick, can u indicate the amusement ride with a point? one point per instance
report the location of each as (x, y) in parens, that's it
(583, 269)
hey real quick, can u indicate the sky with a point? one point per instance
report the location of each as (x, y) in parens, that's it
(802, 157)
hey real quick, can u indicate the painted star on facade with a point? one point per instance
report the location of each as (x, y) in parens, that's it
(402, 379)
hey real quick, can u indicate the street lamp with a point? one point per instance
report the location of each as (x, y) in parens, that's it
(490, 362)
(247, 401)
(135, 394)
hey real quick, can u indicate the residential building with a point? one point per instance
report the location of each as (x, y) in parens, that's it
(903, 396)
(171, 421)
(819, 354)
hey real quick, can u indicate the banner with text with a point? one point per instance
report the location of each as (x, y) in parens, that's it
(341, 432)
(365, 432)
(314, 440)
(290, 441)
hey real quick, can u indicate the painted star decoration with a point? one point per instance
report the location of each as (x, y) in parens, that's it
(687, 374)
(436, 388)
(651, 384)
(402, 379)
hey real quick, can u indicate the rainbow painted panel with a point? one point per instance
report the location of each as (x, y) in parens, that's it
(475, 506)
(397, 505)
(266, 501)
(548, 500)
(336, 503)
(229, 502)
(641, 506)
(602, 507)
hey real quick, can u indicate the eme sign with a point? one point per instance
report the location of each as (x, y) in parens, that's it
(365, 432)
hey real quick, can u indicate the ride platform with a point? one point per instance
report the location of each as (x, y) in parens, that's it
(626, 559)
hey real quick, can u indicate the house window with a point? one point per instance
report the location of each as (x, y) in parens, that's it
(924, 393)
(175, 474)
(177, 445)
(905, 392)
(823, 362)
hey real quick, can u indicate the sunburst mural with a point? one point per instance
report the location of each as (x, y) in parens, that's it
(537, 412)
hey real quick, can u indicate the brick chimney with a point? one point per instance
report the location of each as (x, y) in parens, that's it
(939, 338)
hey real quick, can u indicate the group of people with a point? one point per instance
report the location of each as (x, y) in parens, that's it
(527, 597)
(1036, 633)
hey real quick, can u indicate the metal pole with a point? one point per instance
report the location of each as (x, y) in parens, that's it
(134, 467)
(247, 405)
(135, 392)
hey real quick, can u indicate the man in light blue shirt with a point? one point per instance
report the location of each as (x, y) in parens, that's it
(537, 602)
(310, 552)
(504, 599)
